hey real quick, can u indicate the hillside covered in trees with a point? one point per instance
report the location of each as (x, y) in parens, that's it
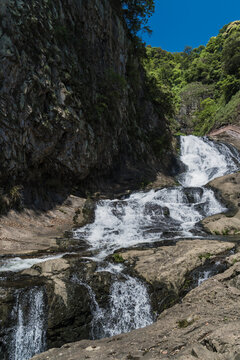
(198, 88)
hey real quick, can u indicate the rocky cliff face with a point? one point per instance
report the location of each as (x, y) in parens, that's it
(73, 104)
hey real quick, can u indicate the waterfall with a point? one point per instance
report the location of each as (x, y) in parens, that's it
(167, 213)
(206, 160)
(29, 336)
(145, 217)
(129, 308)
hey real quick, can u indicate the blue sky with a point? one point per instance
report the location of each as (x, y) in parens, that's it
(178, 23)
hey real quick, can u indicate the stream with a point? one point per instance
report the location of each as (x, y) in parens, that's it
(141, 218)
(168, 213)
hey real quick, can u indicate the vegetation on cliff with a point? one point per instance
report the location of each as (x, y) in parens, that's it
(137, 13)
(202, 85)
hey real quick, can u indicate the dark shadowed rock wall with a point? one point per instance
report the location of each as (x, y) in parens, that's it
(73, 104)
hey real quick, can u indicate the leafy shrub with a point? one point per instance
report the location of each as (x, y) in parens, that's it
(118, 258)
(231, 53)
(229, 114)
(205, 118)
(229, 86)
(137, 13)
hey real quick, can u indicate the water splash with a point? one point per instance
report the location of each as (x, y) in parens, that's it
(142, 218)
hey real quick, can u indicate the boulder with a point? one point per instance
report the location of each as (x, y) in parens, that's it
(228, 188)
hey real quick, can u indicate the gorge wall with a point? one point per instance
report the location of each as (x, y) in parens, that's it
(73, 100)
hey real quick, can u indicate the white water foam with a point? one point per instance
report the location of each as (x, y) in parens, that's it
(30, 333)
(143, 218)
(147, 217)
(204, 276)
(167, 213)
(129, 308)
(18, 264)
(206, 160)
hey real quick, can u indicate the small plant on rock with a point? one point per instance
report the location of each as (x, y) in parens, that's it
(185, 323)
(118, 258)
(205, 256)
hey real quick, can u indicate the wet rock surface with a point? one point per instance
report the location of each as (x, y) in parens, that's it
(228, 187)
(68, 312)
(66, 280)
(84, 301)
(228, 134)
(172, 271)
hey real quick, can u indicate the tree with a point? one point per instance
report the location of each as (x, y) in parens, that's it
(187, 50)
(137, 13)
(231, 54)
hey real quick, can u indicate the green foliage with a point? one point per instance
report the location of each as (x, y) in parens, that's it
(205, 256)
(228, 114)
(205, 66)
(196, 92)
(161, 95)
(205, 118)
(231, 53)
(117, 258)
(206, 78)
(229, 86)
(137, 13)
(225, 231)
(185, 323)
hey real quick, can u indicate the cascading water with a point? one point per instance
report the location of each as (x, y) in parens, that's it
(206, 160)
(29, 336)
(167, 213)
(142, 218)
(18, 264)
(204, 276)
(149, 216)
(129, 306)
